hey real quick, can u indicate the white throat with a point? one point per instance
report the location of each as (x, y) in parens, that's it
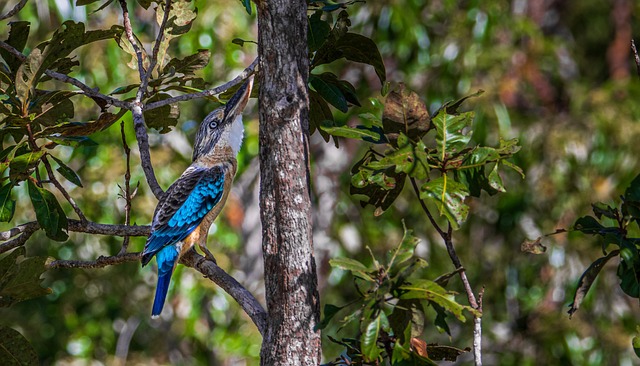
(236, 134)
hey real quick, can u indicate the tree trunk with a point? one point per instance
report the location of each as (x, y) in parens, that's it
(289, 265)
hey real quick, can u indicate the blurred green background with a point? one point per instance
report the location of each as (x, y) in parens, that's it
(557, 74)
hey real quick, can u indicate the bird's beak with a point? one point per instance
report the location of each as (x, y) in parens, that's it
(239, 100)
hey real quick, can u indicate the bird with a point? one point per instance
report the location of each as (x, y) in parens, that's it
(186, 211)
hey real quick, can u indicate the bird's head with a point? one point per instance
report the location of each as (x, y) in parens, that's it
(223, 127)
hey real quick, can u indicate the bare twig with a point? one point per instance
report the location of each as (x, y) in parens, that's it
(243, 297)
(209, 92)
(64, 192)
(101, 262)
(635, 55)
(91, 92)
(156, 48)
(14, 11)
(127, 189)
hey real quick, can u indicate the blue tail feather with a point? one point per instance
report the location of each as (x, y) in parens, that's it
(161, 293)
(166, 262)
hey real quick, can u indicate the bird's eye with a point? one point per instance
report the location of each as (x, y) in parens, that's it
(213, 124)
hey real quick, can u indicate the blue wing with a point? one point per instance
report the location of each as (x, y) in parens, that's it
(183, 207)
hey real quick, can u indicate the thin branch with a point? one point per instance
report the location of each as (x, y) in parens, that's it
(127, 189)
(426, 210)
(243, 297)
(447, 238)
(635, 55)
(129, 33)
(64, 192)
(14, 11)
(28, 230)
(136, 110)
(101, 262)
(156, 48)
(88, 227)
(30, 226)
(91, 92)
(209, 92)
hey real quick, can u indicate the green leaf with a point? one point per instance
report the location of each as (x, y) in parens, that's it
(431, 291)
(403, 252)
(15, 349)
(358, 133)
(52, 107)
(163, 118)
(189, 64)
(330, 92)
(319, 112)
(348, 264)
(18, 34)
(354, 47)
(49, 214)
(452, 106)
(67, 172)
(495, 181)
(7, 205)
(66, 39)
(629, 274)
(327, 314)
(369, 345)
(407, 313)
(448, 195)
(441, 319)
(380, 187)
(451, 136)
(588, 225)
(472, 171)
(587, 279)
(404, 112)
(318, 31)
(601, 209)
(21, 166)
(20, 277)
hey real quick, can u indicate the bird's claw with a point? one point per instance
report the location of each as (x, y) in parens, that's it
(208, 255)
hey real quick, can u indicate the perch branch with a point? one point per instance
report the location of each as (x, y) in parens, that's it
(100, 262)
(243, 297)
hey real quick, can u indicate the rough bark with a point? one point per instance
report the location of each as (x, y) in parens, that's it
(289, 265)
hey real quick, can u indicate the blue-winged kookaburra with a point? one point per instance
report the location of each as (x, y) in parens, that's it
(186, 211)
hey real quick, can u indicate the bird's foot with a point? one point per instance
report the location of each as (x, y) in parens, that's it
(208, 255)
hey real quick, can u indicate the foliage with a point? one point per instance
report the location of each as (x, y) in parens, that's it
(389, 312)
(612, 226)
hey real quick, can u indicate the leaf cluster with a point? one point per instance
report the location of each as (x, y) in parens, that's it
(435, 151)
(390, 310)
(614, 226)
(330, 41)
